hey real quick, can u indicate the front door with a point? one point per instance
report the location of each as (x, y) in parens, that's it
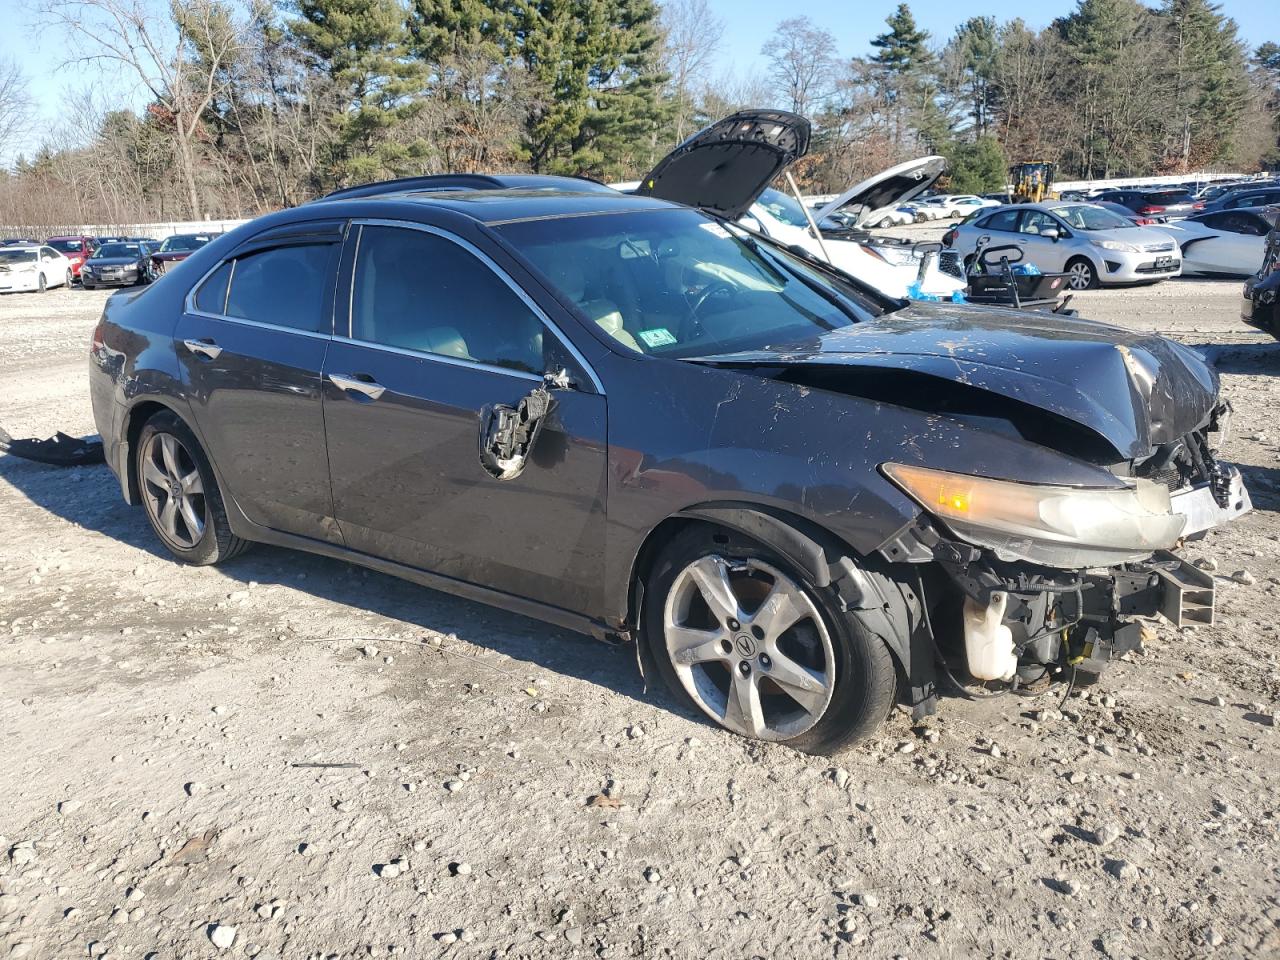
(438, 336)
(1048, 253)
(252, 344)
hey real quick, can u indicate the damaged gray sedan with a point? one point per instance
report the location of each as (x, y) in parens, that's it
(802, 499)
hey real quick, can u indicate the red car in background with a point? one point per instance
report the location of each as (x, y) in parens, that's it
(75, 249)
(177, 248)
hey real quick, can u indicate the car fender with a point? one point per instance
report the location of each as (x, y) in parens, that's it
(885, 604)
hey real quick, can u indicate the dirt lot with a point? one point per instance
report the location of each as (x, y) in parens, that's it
(166, 732)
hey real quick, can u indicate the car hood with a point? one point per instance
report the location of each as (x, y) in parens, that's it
(723, 169)
(1133, 390)
(888, 188)
(113, 261)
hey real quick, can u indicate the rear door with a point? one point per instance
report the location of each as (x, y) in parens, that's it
(252, 343)
(437, 336)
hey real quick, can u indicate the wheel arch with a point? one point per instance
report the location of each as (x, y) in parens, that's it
(142, 410)
(884, 598)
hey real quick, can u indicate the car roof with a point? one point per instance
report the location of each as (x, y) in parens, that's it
(499, 205)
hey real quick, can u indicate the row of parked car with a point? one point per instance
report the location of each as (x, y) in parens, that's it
(33, 267)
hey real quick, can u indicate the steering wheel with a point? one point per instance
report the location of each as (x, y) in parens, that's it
(712, 288)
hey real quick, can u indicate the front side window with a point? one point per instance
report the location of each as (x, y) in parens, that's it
(1034, 222)
(700, 288)
(415, 290)
(282, 286)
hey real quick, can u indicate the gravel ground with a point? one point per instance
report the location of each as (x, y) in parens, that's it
(292, 757)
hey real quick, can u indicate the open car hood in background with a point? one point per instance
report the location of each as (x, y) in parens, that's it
(723, 169)
(888, 188)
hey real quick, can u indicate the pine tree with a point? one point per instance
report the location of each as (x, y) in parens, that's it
(976, 47)
(1210, 86)
(593, 65)
(904, 47)
(362, 45)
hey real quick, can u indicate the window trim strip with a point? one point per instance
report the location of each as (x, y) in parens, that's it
(497, 270)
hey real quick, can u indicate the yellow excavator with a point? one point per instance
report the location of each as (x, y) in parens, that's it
(1032, 182)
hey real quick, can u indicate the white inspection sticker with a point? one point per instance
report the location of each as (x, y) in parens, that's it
(715, 228)
(657, 337)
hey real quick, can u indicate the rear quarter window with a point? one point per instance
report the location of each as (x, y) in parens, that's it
(211, 296)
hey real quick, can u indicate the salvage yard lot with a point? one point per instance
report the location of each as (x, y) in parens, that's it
(166, 731)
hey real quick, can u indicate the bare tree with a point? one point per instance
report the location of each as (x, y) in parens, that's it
(178, 57)
(691, 37)
(802, 60)
(15, 105)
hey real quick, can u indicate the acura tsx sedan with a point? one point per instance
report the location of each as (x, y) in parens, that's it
(629, 416)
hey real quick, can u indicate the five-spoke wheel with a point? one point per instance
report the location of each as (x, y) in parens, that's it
(749, 647)
(173, 491)
(754, 644)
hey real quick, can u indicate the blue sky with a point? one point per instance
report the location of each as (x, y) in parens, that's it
(57, 85)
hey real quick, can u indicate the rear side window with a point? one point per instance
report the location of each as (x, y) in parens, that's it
(1004, 220)
(419, 291)
(212, 295)
(283, 286)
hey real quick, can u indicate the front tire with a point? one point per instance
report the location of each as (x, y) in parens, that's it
(69, 279)
(41, 283)
(748, 640)
(180, 494)
(1081, 274)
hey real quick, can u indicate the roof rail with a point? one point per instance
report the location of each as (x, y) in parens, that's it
(442, 181)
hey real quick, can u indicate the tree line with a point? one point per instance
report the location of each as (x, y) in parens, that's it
(258, 104)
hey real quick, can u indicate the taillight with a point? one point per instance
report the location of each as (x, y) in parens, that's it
(949, 237)
(872, 252)
(1151, 208)
(1198, 205)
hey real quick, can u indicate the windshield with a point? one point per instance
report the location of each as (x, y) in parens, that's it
(677, 284)
(17, 256)
(67, 246)
(783, 207)
(182, 244)
(1086, 216)
(127, 250)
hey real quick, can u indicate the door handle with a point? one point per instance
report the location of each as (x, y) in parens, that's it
(360, 383)
(203, 348)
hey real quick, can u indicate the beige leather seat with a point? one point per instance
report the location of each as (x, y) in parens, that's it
(604, 313)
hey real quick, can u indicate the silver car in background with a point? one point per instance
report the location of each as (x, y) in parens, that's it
(1089, 243)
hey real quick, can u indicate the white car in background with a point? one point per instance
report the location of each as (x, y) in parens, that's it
(1226, 243)
(33, 268)
(893, 269)
(958, 205)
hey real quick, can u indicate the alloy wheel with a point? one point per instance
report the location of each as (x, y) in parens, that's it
(173, 490)
(1080, 276)
(749, 647)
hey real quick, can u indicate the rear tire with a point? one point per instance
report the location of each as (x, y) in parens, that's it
(820, 684)
(180, 494)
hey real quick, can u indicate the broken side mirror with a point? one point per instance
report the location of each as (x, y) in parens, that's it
(508, 433)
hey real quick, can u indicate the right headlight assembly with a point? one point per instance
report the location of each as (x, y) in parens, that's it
(1052, 525)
